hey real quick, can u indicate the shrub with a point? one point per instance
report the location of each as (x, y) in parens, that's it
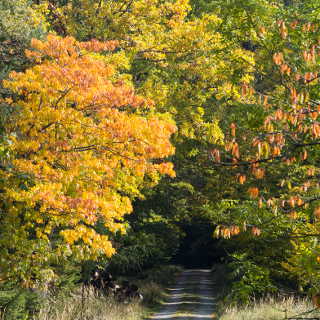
(249, 280)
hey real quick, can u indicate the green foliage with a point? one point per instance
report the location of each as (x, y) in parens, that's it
(68, 276)
(162, 274)
(194, 60)
(154, 281)
(241, 17)
(133, 257)
(303, 263)
(147, 244)
(19, 23)
(19, 304)
(266, 28)
(248, 280)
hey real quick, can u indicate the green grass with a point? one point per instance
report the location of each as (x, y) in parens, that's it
(272, 309)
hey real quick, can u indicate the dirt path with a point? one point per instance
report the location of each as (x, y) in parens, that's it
(191, 298)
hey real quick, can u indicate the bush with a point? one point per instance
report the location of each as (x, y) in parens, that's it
(163, 274)
(19, 23)
(154, 280)
(19, 304)
(249, 280)
(152, 293)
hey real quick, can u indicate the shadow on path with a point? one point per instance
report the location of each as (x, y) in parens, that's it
(191, 298)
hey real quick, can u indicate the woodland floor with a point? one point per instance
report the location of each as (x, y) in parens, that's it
(190, 298)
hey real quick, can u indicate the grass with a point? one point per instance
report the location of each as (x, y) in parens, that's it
(152, 293)
(91, 308)
(102, 308)
(272, 309)
(73, 307)
(154, 283)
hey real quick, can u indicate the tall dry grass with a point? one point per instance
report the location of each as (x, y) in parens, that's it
(90, 308)
(272, 309)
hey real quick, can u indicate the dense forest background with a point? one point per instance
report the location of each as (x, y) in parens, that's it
(138, 133)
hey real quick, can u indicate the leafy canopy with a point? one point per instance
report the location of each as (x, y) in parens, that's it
(84, 143)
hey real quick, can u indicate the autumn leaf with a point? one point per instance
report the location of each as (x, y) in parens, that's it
(253, 192)
(84, 141)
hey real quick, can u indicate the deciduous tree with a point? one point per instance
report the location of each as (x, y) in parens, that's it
(82, 144)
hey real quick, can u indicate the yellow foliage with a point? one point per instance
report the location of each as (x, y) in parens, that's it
(198, 62)
(86, 140)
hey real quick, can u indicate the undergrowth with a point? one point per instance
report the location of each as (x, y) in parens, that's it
(74, 305)
(268, 308)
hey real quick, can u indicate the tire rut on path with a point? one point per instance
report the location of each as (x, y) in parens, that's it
(191, 298)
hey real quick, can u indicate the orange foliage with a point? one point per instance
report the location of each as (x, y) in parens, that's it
(316, 212)
(87, 140)
(253, 192)
(242, 179)
(255, 231)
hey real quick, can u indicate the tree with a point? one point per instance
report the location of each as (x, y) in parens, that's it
(82, 144)
(19, 23)
(272, 149)
(188, 68)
